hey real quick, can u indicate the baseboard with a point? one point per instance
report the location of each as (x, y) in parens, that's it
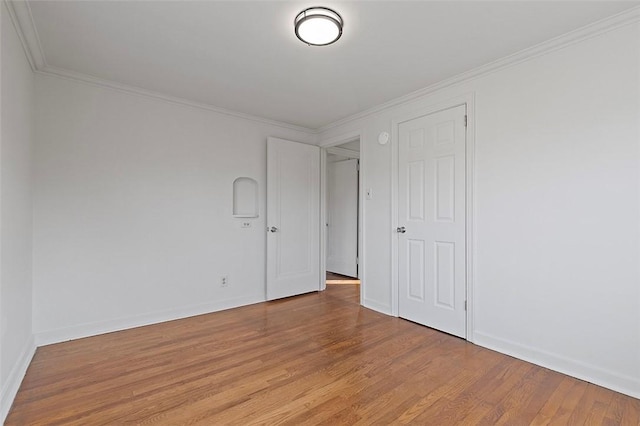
(571, 367)
(93, 329)
(14, 380)
(377, 306)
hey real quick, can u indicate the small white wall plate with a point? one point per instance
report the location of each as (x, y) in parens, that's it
(383, 138)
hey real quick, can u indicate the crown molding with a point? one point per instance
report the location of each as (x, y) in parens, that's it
(583, 33)
(133, 90)
(20, 14)
(22, 18)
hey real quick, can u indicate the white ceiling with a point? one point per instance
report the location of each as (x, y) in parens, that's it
(244, 56)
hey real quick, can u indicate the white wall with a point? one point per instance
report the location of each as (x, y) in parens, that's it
(16, 123)
(132, 210)
(557, 190)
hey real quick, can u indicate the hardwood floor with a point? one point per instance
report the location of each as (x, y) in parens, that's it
(314, 359)
(333, 278)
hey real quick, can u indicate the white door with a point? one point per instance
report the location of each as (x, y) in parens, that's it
(431, 196)
(342, 217)
(293, 218)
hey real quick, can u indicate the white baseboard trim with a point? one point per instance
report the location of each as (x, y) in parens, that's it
(14, 380)
(377, 306)
(571, 367)
(93, 329)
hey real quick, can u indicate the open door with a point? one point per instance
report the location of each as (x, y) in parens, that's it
(293, 218)
(342, 217)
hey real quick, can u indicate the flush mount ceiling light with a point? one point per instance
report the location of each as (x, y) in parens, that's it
(318, 26)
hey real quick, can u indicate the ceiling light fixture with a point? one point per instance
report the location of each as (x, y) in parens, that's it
(318, 26)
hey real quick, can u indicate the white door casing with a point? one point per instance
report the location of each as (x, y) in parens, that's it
(342, 217)
(431, 208)
(293, 218)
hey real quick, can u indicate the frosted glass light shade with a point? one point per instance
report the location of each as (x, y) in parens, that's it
(318, 26)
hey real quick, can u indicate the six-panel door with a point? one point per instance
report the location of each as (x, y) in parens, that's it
(431, 198)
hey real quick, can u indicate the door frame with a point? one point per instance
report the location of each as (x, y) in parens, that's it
(469, 101)
(324, 145)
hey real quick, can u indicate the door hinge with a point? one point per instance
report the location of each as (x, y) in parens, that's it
(358, 165)
(465, 120)
(357, 260)
(465, 305)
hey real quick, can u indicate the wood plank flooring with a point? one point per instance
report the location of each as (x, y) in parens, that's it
(333, 278)
(319, 358)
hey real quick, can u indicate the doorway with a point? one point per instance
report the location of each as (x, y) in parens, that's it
(342, 212)
(297, 215)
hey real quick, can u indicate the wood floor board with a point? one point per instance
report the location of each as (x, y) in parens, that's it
(333, 278)
(477, 415)
(319, 358)
(455, 409)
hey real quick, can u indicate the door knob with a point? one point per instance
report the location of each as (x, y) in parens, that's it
(401, 229)
(273, 229)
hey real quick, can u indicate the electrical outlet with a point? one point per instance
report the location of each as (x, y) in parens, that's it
(245, 225)
(224, 281)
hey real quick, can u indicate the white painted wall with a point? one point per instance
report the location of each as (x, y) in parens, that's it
(16, 123)
(557, 190)
(133, 210)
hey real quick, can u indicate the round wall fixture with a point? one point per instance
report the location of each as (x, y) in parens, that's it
(383, 138)
(318, 26)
